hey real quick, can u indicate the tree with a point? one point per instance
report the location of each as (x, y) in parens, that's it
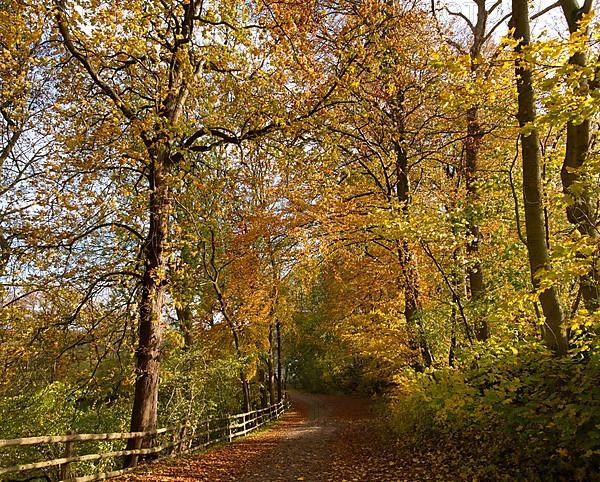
(580, 211)
(156, 72)
(539, 260)
(480, 34)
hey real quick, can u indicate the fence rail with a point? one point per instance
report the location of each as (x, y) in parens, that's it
(183, 438)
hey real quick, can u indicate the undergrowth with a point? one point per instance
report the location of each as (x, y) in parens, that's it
(510, 413)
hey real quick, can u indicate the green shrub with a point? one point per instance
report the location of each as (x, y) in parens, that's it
(55, 410)
(528, 411)
(196, 385)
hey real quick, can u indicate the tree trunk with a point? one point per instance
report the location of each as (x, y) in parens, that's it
(474, 271)
(279, 365)
(453, 344)
(581, 212)
(145, 403)
(263, 389)
(243, 378)
(410, 281)
(245, 391)
(236, 336)
(412, 302)
(271, 367)
(554, 334)
(184, 316)
(459, 290)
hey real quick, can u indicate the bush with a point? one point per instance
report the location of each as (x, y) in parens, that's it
(195, 385)
(533, 414)
(55, 410)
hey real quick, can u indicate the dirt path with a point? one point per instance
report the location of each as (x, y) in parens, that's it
(322, 438)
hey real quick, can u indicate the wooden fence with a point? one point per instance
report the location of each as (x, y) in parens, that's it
(167, 441)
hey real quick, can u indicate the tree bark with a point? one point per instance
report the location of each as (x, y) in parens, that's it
(271, 367)
(184, 316)
(539, 261)
(145, 403)
(472, 145)
(243, 378)
(474, 270)
(580, 212)
(235, 332)
(412, 300)
(245, 392)
(453, 344)
(279, 365)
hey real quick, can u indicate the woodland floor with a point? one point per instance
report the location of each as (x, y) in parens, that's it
(321, 438)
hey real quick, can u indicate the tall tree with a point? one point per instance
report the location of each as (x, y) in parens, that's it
(382, 144)
(481, 28)
(535, 225)
(581, 211)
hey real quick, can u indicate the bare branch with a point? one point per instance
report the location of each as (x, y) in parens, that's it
(463, 16)
(546, 10)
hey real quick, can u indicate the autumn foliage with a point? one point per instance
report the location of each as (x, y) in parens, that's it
(204, 201)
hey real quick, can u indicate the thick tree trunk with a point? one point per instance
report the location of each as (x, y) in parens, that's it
(554, 333)
(145, 403)
(474, 270)
(581, 212)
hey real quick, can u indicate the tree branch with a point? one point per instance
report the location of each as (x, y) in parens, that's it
(69, 43)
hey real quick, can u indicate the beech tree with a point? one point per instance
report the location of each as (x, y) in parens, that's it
(481, 30)
(383, 143)
(535, 224)
(580, 211)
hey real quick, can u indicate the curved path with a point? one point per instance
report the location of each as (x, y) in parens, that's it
(322, 438)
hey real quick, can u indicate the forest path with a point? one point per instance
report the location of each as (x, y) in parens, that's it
(321, 438)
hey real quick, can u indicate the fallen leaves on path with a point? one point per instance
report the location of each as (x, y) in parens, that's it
(323, 438)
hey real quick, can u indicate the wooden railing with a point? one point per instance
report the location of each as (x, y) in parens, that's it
(176, 440)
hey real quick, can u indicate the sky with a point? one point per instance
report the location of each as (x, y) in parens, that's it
(551, 23)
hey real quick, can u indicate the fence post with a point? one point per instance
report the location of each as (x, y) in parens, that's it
(132, 460)
(229, 435)
(65, 469)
